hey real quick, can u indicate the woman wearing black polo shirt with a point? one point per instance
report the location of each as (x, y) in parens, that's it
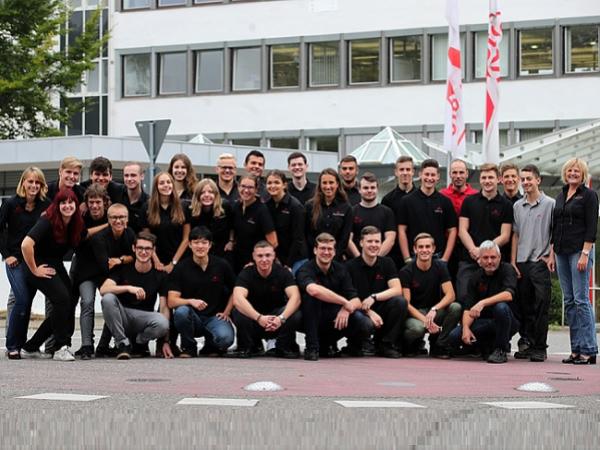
(329, 211)
(59, 230)
(209, 209)
(251, 222)
(574, 232)
(17, 215)
(184, 176)
(168, 221)
(288, 217)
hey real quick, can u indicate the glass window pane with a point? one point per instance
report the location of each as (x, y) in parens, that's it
(439, 56)
(93, 79)
(531, 133)
(364, 61)
(132, 4)
(207, 1)
(104, 25)
(481, 54)
(581, 49)
(105, 76)
(250, 142)
(75, 26)
(209, 71)
(75, 124)
(536, 52)
(104, 115)
(92, 115)
(406, 58)
(285, 65)
(136, 75)
(324, 64)
(173, 73)
(171, 2)
(246, 69)
(324, 143)
(289, 143)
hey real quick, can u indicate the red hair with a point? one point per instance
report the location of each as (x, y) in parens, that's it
(72, 232)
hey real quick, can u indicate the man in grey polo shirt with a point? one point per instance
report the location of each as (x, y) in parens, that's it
(533, 259)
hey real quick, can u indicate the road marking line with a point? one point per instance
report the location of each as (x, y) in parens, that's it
(527, 405)
(376, 404)
(64, 397)
(217, 401)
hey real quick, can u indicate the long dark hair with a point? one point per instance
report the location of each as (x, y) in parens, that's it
(65, 234)
(319, 199)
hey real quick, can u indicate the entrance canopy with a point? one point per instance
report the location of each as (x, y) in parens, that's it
(386, 147)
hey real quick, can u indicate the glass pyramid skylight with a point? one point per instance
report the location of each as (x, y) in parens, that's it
(386, 147)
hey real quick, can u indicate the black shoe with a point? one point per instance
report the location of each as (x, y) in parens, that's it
(209, 350)
(286, 354)
(571, 359)
(498, 356)
(388, 351)
(86, 352)
(239, 353)
(368, 347)
(330, 352)
(537, 355)
(523, 354)
(123, 352)
(584, 360)
(257, 351)
(440, 353)
(14, 354)
(186, 353)
(523, 345)
(311, 355)
(106, 352)
(140, 350)
(352, 350)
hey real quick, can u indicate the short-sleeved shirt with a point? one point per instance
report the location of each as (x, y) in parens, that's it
(251, 226)
(220, 226)
(266, 293)
(482, 286)
(335, 219)
(379, 216)
(425, 285)
(105, 246)
(458, 197)
(304, 195)
(136, 211)
(47, 250)
(353, 195)
(533, 225)
(486, 217)
(233, 195)
(85, 265)
(336, 279)
(392, 200)
(17, 221)
(371, 279)
(289, 220)
(168, 234)
(433, 214)
(213, 285)
(153, 282)
(53, 190)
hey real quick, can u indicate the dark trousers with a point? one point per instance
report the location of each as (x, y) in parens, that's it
(319, 319)
(61, 320)
(249, 332)
(535, 291)
(465, 270)
(393, 312)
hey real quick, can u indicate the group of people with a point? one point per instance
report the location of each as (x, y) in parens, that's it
(262, 257)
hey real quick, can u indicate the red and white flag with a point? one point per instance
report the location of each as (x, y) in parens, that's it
(491, 137)
(454, 124)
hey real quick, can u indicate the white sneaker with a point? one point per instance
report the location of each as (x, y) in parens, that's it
(34, 355)
(63, 354)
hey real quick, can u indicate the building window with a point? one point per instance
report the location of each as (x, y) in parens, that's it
(285, 66)
(439, 56)
(171, 2)
(209, 71)
(249, 142)
(581, 49)
(481, 48)
(364, 61)
(406, 58)
(525, 134)
(136, 75)
(284, 142)
(246, 69)
(173, 73)
(324, 64)
(323, 143)
(477, 137)
(535, 52)
(198, 2)
(136, 4)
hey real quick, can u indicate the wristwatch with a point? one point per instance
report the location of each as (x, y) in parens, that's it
(585, 252)
(174, 262)
(282, 318)
(374, 297)
(433, 308)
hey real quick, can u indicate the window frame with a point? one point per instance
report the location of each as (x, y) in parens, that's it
(566, 53)
(520, 53)
(379, 61)
(391, 59)
(160, 65)
(310, 64)
(124, 71)
(271, 71)
(234, 56)
(196, 70)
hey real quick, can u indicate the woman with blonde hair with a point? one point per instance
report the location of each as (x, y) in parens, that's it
(184, 176)
(18, 215)
(575, 223)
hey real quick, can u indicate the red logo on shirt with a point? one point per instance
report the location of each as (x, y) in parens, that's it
(482, 287)
(215, 279)
(495, 212)
(378, 276)
(357, 219)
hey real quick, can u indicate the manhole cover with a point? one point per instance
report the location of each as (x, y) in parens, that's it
(565, 378)
(148, 380)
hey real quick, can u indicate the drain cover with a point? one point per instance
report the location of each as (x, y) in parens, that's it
(565, 378)
(263, 386)
(148, 380)
(536, 386)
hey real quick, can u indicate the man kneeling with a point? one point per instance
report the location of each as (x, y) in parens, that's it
(128, 300)
(266, 299)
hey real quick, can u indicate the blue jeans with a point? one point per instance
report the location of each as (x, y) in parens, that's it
(192, 323)
(578, 309)
(18, 319)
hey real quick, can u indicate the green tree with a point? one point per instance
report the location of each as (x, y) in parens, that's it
(35, 77)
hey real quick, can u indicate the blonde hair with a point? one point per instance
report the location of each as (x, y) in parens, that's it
(177, 215)
(580, 164)
(32, 170)
(196, 205)
(70, 162)
(227, 156)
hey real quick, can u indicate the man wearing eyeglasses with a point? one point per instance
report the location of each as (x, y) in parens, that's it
(226, 170)
(128, 300)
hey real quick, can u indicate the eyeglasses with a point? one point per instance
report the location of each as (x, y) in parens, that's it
(227, 168)
(117, 217)
(246, 187)
(144, 249)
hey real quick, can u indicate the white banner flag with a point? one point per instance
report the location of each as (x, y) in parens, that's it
(454, 124)
(491, 137)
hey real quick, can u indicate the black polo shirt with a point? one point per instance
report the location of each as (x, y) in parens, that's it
(336, 279)
(168, 234)
(251, 226)
(46, 249)
(425, 286)
(575, 221)
(353, 194)
(371, 279)
(266, 293)
(433, 214)
(106, 246)
(392, 200)
(335, 219)
(136, 211)
(289, 220)
(116, 191)
(233, 195)
(53, 190)
(304, 195)
(220, 226)
(85, 265)
(213, 285)
(514, 199)
(153, 282)
(483, 286)
(486, 218)
(16, 221)
(379, 216)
